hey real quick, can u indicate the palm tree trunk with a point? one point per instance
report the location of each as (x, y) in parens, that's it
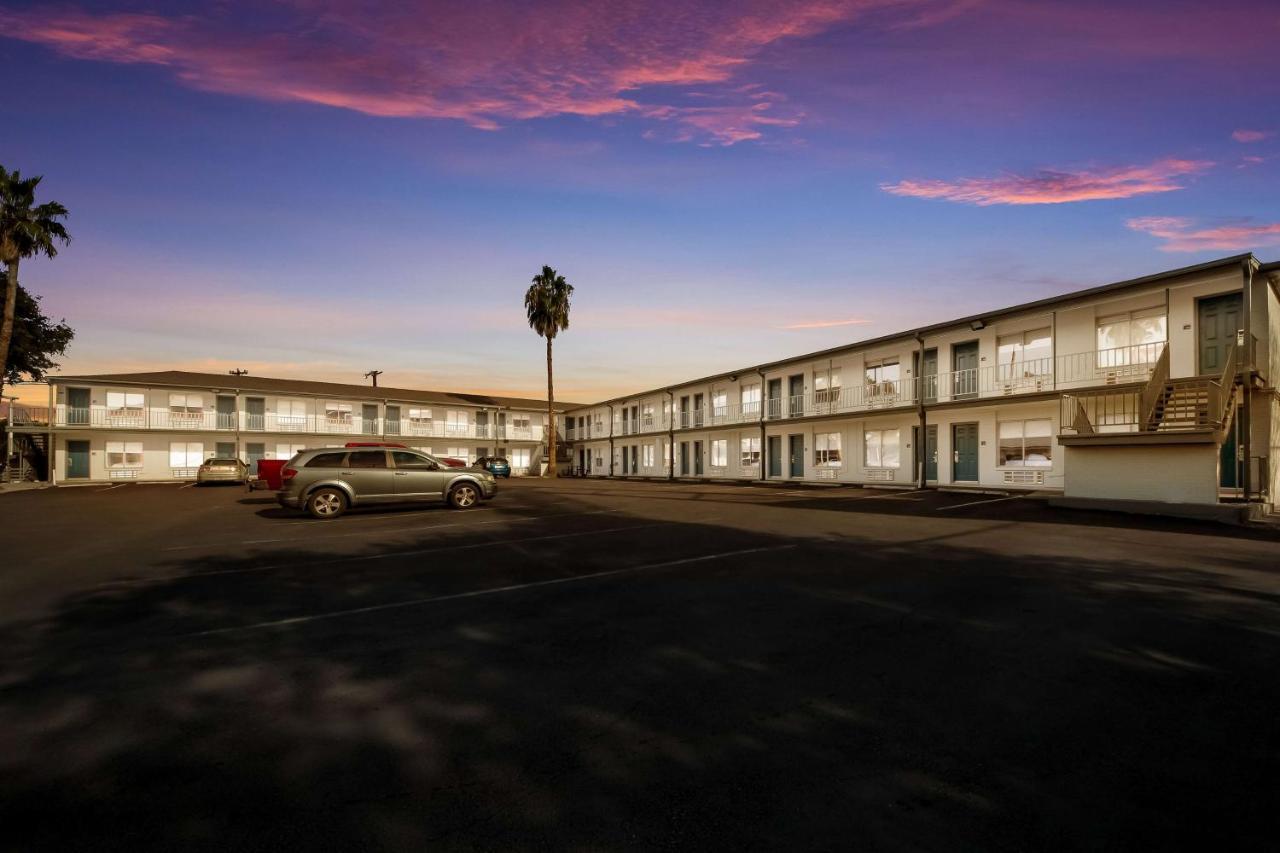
(6, 327)
(551, 417)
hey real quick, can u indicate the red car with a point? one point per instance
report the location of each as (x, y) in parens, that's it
(374, 444)
(451, 462)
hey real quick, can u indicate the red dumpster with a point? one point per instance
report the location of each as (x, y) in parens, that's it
(269, 474)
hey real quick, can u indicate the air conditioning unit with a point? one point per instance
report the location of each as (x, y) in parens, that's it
(827, 473)
(1111, 377)
(1024, 477)
(879, 475)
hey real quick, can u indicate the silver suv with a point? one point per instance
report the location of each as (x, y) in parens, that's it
(327, 481)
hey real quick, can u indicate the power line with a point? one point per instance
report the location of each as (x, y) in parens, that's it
(373, 374)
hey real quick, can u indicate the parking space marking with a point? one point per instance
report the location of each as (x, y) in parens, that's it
(187, 486)
(977, 503)
(112, 488)
(361, 558)
(476, 593)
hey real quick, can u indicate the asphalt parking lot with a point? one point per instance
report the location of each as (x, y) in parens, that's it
(616, 665)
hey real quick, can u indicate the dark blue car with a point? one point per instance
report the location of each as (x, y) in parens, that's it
(498, 466)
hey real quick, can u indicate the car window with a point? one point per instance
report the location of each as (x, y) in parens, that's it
(327, 460)
(403, 459)
(368, 459)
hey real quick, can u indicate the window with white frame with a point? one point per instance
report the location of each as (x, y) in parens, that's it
(1132, 338)
(288, 451)
(649, 454)
(826, 450)
(719, 403)
(1025, 354)
(646, 415)
(291, 413)
(826, 385)
(520, 457)
(720, 453)
(185, 454)
(1026, 444)
(882, 377)
(750, 452)
(458, 453)
(186, 405)
(751, 399)
(125, 454)
(419, 421)
(666, 454)
(599, 459)
(124, 406)
(456, 421)
(337, 414)
(882, 448)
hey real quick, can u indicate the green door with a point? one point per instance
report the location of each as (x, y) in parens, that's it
(1219, 319)
(1228, 460)
(929, 376)
(697, 457)
(78, 407)
(775, 456)
(964, 361)
(931, 453)
(77, 460)
(796, 446)
(964, 445)
(226, 408)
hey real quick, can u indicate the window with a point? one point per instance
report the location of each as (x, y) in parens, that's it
(327, 460)
(650, 452)
(666, 454)
(1026, 444)
(750, 452)
(186, 405)
(225, 450)
(599, 466)
(1133, 338)
(646, 415)
(419, 422)
(455, 422)
(185, 454)
(411, 461)
(882, 377)
(720, 453)
(520, 457)
(367, 459)
(124, 406)
(826, 450)
(291, 413)
(1025, 354)
(826, 386)
(719, 403)
(751, 399)
(882, 448)
(338, 414)
(288, 451)
(126, 454)
(458, 453)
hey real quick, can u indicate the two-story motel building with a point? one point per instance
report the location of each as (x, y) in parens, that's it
(1160, 388)
(163, 425)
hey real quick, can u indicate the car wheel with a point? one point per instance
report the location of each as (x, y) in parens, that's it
(464, 496)
(326, 504)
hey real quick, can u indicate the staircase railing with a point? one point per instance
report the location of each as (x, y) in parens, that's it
(1223, 401)
(1156, 387)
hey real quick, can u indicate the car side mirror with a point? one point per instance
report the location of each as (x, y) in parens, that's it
(432, 466)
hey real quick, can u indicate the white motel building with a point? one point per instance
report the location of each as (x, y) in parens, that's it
(163, 425)
(1158, 389)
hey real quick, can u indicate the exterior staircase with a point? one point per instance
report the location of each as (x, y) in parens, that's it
(1179, 407)
(30, 461)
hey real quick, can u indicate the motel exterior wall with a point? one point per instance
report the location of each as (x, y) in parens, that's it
(1078, 359)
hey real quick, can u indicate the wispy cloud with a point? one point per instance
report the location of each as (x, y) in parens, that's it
(1184, 234)
(1051, 186)
(485, 65)
(827, 324)
(1247, 136)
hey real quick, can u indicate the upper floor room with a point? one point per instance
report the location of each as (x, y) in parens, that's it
(177, 400)
(1110, 335)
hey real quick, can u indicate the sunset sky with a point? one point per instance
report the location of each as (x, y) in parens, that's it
(314, 188)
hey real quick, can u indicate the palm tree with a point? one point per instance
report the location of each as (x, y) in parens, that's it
(547, 304)
(26, 229)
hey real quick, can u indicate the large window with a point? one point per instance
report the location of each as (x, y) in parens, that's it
(720, 453)
(826, 450)
(520, 458)
(1025, 354)
(126, 454)
(1026, 444)
(650, 453)
(751, 399)
(750, 452)
(719, 404)
(338, 414)
(124, 407)
(419, 421)
(461, 453)
(288, 451)
(826, 386)
(882, 377)
(291, 414)
(186, 407)
(456, 422)
(882, 448)
(646, 415)
(185, 454)
(1133, 338)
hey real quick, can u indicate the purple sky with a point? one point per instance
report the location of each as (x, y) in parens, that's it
(315, 188)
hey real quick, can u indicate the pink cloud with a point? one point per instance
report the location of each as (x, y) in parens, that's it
(1056, 187)
(1243, 135)
(482, 64)
(1183, 234)
(827, 324)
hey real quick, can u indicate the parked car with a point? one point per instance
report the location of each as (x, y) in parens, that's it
(498, 466)
(451, 462)
(375, 444)
(222, 471)
(268, 476)
(326, 482)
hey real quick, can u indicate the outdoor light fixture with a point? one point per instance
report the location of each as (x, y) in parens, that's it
(977, 325)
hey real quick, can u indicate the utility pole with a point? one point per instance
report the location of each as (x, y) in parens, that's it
(373, 374)
(239, 371)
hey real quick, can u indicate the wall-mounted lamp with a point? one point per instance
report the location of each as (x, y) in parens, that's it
(977, 325)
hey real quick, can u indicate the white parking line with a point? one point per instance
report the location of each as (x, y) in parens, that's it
(977, 503)
(187, 486)
(417, 602)
(111, 488)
